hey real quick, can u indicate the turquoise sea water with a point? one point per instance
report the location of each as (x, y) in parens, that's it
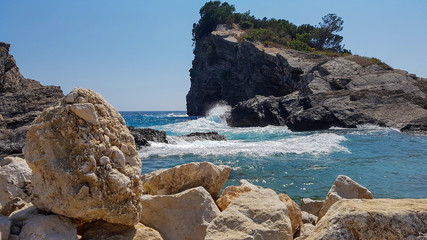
(302, 164)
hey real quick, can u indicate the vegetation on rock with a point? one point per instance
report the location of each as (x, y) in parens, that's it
(275, 32)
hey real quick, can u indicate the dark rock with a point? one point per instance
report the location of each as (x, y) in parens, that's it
(305, 91)
(21, 100)
(197, 136)
(143, 135)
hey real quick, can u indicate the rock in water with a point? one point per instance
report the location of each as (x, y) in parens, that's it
(21, 100)
(174, 180)
(253, 215)
(84, 161)
(344, 188)
(185, 215)
(374, 219)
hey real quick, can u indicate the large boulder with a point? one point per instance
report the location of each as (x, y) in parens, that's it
(15, 180)
(253, 215)
(232, 192)
(294, 213)
(101, 230)
(49, 227)
(84, 161)
(311, 206)
(21, 100)
(185, 215)
(174, 180)
(374, 219)
(344, 188)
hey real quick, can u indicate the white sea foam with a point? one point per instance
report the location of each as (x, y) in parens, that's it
(177, 115)
(316, 144)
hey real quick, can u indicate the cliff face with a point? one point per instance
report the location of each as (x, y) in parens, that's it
(21, 100)
(272, 86)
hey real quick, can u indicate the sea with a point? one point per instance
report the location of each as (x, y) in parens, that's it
(389, 163)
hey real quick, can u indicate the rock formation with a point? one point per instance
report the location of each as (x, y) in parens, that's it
(21, 100)
(200, 136)
(49, 227)
(185, 215)
(143, 135)
(254, 215)
(101, 230)
(15, 180)
(311, 206)
(344, 188)
(84, 161)
(304, 91)
(294, 213)
(374, 219)
(174, 180)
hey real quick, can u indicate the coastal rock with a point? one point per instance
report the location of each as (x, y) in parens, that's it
(306, 231)
(374, 219)
(21, 216)
(5, 225)
(13, 205)
(49, 227)
(311, 206)
(185, 215)
(21, 100)
(200, 136)
(344, 188)
(143, 135)
(174, 180)
(15, 181)
(229, 194)
(101, 230)
(304, 91)
(254, 215)
(85, 164)
(294, 213)
(308, 218)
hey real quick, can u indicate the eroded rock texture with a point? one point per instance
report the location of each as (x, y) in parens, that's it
(84, 161)
(21, 100)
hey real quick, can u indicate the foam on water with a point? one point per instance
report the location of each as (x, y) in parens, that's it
(316, 144)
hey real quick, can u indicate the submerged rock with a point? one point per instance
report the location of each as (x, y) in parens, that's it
(21, 100)
(254, 215)
(101, 230)
(344, 188)
(185, 215)
(84, 161)
(174, 180)
(374, 219)
(200, 136)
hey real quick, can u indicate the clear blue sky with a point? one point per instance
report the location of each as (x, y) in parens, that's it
(137, 53)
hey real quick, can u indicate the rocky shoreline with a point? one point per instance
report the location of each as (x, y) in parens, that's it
(81, 179)
(265, 85)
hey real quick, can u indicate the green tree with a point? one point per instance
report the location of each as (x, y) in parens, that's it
(212, 14)
(325, 36)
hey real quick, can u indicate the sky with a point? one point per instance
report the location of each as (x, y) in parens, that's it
(137, 53)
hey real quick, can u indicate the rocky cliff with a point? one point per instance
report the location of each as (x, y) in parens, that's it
(304, 91)
(21, 100)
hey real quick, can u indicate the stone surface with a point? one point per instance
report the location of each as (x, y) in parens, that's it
(21, 100)
(308, 218)
(101, 230)
(374, 219)
(85, 165)
(15, 181)
(21, 216)
(344, 188)
(229, 194)
(185, 215)
(5, 225)
(174, 180)
(254, 215)
(13, 205)
(200, 136)
(294, 213)
(311, 206)
(306, 230)
(143, 135)
(304, 91)
(51, 227)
